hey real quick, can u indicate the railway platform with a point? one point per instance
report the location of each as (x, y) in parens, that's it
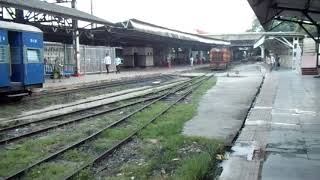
(280, 139)
(125, 74)
(222, 110)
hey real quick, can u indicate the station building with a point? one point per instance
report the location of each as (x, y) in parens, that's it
(80, 41)
(139, 44)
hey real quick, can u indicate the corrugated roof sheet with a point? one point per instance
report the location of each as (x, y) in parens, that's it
(52, 9)
(141, 26)
(267, 10)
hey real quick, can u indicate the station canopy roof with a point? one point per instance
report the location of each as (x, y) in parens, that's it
(52, 9)
(281, 37)
(304, 11)
(144, 27)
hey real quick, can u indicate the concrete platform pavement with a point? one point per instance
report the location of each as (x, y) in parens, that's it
(223, 108)
(281, 136)
(96, 78)
(293, 143)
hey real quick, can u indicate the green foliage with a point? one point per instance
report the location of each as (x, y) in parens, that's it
(283, 27)
(50, 170)
(195, 167)
(165, 153)
(256, 26)
(85, 175)
(167, 130)
(19, 155)
(76, 156)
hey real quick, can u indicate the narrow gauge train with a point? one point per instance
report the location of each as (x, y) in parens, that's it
(219, 58)
(21, 60)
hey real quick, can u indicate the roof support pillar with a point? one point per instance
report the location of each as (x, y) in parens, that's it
(262, 49)
(190, 52)
(76, 41)
(1, 12)
(19, 16)
(296, 53)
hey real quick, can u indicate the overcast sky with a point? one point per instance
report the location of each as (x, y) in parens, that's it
(213, 16)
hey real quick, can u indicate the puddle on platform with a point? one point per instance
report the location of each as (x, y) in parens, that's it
(238, 153)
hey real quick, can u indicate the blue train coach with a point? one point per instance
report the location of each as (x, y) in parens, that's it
(21, 59)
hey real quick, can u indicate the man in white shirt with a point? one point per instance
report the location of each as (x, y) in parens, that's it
(191, 60)
(273, 62)
(118, 62)
(107, 62)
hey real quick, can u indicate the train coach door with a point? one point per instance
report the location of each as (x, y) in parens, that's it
(4, 60)
(33, 58)
(16, 65)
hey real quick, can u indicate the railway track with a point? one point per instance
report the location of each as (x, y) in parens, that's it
(10, 134)
(129, 137)
(181, 87)
(102, 85)
(51, 123)
(27, 116)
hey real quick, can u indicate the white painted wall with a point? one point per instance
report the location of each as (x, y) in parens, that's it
(309, 57)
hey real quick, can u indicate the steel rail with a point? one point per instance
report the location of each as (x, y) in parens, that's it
(122, 142)
(99, 86)
(82, 141)
(78, 119)
(28, 134)
(72, 112)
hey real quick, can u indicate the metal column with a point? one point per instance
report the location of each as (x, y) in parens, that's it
(91, 4)
(19, 16)
(295, 60)
(318, 53)
(76, 43)
(262, 52)
(84, 59)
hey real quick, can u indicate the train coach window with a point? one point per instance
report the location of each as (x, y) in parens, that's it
(33, 55)
(3, 54)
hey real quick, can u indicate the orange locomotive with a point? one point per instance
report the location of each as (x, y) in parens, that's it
(219, 58)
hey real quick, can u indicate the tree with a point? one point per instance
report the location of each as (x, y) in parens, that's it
(310, 28)
(283, 27)
(256, 26)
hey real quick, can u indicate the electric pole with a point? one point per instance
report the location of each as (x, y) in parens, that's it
(91, 1)
(76, 43)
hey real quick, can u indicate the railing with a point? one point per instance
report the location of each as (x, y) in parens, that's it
(68, 69)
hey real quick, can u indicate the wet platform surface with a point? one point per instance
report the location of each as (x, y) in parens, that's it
(223, 108)
(282, 132)
(293, 144)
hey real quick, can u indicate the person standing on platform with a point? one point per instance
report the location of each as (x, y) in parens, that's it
(118, 63)
(169, 61)
(191, 61)
(268, 61)
(273, 62)
(277, 62)
(107, 62)
(57, 70)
